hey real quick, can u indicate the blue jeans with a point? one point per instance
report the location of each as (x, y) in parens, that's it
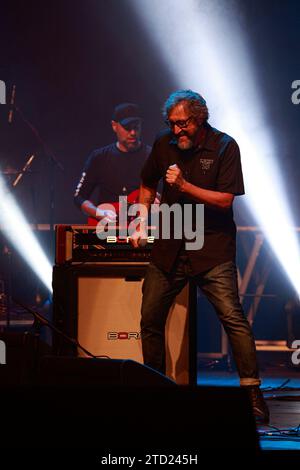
(219, 284)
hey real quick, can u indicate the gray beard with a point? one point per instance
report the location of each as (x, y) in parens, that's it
(185, 145)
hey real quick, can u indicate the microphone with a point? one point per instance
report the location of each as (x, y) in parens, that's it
(172, 167)
(25, 168)
(12, 103)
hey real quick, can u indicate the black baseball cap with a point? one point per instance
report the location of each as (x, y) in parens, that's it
(126, 113)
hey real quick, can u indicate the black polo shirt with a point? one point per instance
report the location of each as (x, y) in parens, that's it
(213, 164)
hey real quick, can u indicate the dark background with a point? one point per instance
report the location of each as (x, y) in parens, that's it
(73, 61)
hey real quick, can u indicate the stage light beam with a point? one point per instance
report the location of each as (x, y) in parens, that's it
(204, 48)
(19, 233)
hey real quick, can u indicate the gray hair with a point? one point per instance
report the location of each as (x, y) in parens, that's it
(195, 102)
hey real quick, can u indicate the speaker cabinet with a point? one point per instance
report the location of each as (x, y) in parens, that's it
(100, 305)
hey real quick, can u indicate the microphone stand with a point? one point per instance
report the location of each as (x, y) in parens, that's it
(54, 163)
(40, 320)
(23, 171)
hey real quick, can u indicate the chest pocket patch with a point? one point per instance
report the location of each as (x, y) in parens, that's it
(205, 164)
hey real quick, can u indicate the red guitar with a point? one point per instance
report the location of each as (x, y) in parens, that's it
(132, 198)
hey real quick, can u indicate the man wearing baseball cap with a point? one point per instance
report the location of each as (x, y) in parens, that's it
(114, 170)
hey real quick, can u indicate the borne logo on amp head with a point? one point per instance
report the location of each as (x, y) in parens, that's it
(115, 335)
(115, 239)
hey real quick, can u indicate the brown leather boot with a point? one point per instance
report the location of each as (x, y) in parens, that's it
(259, 406)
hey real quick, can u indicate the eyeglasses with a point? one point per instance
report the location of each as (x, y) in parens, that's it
(181, 123)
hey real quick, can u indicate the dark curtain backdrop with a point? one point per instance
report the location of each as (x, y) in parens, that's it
(72, 61)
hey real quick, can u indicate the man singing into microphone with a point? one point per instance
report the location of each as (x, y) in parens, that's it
(199, 165)
(115, 169)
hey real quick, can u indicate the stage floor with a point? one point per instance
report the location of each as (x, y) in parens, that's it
(280, 384)
(281, 389)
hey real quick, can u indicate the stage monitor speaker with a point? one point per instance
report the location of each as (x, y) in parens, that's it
(163, 421)
(60, 370)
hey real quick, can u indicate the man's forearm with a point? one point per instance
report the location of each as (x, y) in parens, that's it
(88, 208)
(215, 199)
(147, 196)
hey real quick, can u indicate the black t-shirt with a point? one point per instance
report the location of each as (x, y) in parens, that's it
(214, 164)
(112, 172)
